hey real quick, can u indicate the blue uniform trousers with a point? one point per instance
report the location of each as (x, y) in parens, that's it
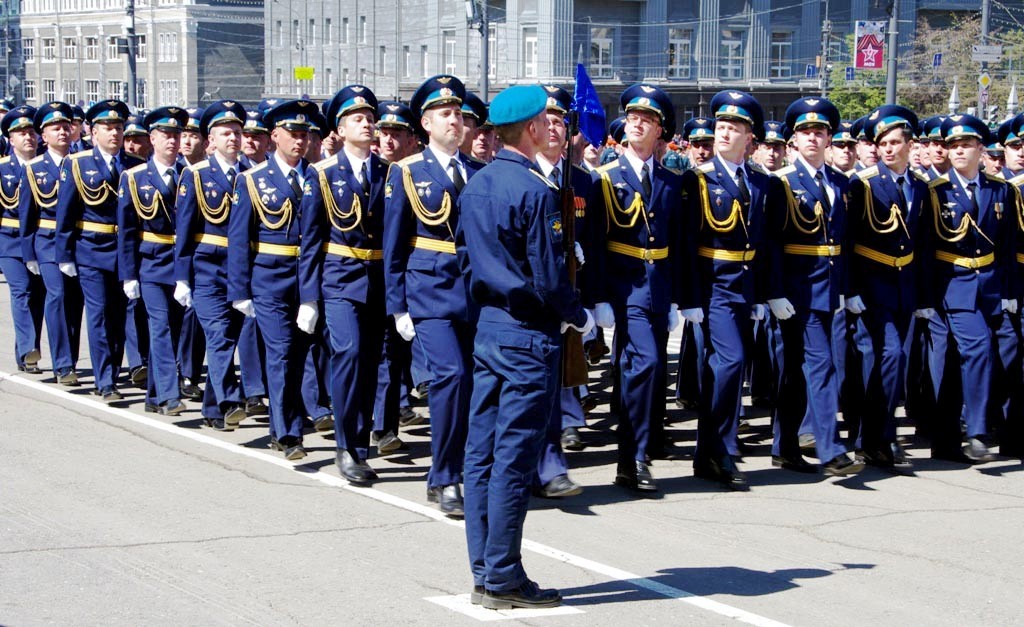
(571, 409)
(974, 335)
(760, 371)
(356, 335)
(515, 387)
(730, 334)
(26, 306)
(164, 315)
(221, 326)
(882, 338)
(62, 310)
(316, 397)
(1005, 412)
(136, 333)
(446, 347)
(191, 346)
(392, 371)
(286, 351)
(553, 462)
(105, 309)
(690, 371)
(808, 386)
(642, 343)
(251, 359)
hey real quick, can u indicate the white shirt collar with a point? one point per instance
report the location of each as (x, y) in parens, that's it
(357, 163)
(107, 159)
(731, 167)
(545, 167)
(965, 182)
(443, 160)
(224, 164)
(637, 164)
(286, 169)
(55, 156)
(814, 171)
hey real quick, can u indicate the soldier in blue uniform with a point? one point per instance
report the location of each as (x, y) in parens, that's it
(648, 272)
(887, 201)
(806, 286)
(86, 240)
(6, 104)
(193, 144)
(37, 209)
(78, 141)
(728, 218)
(939, 152)
(145, 243)
(203, 207)
(843, 150)
(263, 265)
(973, 286)
(426, 292)
(342, 216)
(26, 288)
(520, 284)
(1013, 147)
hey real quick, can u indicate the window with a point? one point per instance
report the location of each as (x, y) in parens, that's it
(424, 62)
(112, 51)
(280, 34)
(730, 54)
(362, 29)
(92, 48)
(529, 52)
(295, 34)
(92, 91)
(280, 79)
(28, 49)
(344, 31)
(448, 37)
(167, 47)
(49, 89)
(30, 90)
(70, 49)
(140, 93)
(782, 55)
(140, 49)
(328, 34)
(344, 76)
(329, 79)
(169, 91)
(362, 76)
(382, 61)
(602, 41)
(679, 52)
(115, 90)
(69, 90)
(492, 51)
(406, 62)
(311, 32)
(49, 43)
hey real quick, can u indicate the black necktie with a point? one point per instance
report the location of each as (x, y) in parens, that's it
(457, 175)
(366, 179)
(741, 183)
(972, 188)
(818, 176)
(556, 177)
(172, 178)
(645, 180)
(902, 195)
(293, 181)
(230, 174)
(114, 170)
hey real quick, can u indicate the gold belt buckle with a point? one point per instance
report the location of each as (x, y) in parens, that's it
(648, 256)
(831, 251)
(973, 265)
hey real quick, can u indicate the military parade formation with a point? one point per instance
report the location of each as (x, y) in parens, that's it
(323, 263)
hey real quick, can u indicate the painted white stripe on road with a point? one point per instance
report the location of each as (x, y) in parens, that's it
(460, 603)
(665, 590)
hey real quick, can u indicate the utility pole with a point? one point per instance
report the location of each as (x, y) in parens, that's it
(890, 82)
(983, 91)
(133, 95)
(826, 38)
(476, 16)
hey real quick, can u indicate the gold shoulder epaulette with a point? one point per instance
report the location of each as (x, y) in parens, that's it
(329, 162)
(5, 159)
(867, 173)
(938, 181)
(411, 159)
(994, 177)
(199, 165)
(254, 169)
(918, 175)
(38, 159)
(608, 167)
(706, 167)
(789, 169)
(137, 169)
(80, 154)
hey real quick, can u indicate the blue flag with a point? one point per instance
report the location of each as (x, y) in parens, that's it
(586, 103)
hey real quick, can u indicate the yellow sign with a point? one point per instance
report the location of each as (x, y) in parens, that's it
(304, 73)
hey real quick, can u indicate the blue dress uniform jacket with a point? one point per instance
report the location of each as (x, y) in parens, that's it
(146, 225)
(420, 269)
(26, 288)
(10, 196)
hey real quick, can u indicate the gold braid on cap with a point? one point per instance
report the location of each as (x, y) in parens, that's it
(425, 216)
(44, 200)
(336, 215)
(92, 196)
(267, 215)
(213, 215)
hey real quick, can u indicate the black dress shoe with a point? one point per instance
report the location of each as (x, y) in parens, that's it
(234, 415)
(172, 407)
(110, 394)
(407, 417)
(30, 368)
(571, 440)
(217, 424)
(254, 406)
(807, 441)
(191, 391)
(448, 499)
(842, 466)
(527, 595)
(724, 472)
(685, 403)
(559, 487)
(138, 375)
(31, 361)
(977, 452)
(152, 408)
(900, 462)
(323, 423)
(588, 403)
(389, 443)
(476, 597)
(636, 477)
(951, 455)
(795, 463)
(292, 447)
(353, 469)
(68, 378)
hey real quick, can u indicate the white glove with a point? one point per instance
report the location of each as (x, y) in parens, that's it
(758, 312)
(927, 313)
(781, 308)
(68, 268)
(404, 326)
(587, 325)
(580, 259)
(245, 307)
(183, 294)
(1010, 305)
(842, 304)
(307, 317)
(33, 267)
(673, 318)
(855, 305)
(131, 289)
(693, 316)
(604, 316)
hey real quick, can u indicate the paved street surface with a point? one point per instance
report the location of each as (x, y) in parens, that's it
(109, 516)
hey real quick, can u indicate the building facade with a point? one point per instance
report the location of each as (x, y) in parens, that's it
(188, 51)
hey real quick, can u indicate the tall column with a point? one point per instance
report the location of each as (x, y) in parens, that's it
(708, 41)
(809, 39)
(554, 39)
(653, 40)
(759, 40)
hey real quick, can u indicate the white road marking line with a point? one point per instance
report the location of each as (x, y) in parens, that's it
(665, 590)
(460, 603)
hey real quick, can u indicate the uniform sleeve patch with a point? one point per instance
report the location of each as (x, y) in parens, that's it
(555, 224)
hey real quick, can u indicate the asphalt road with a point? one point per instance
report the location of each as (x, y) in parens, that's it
(109, 516)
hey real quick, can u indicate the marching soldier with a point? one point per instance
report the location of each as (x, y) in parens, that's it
(26, 288)
(37, 208)
(426, 292)
(770, 152)
(86, 240)
(201, 264)
(474, 117)
(136, 138)
(1013, 147)
(844, 149)
(728, 215)
(937, 150)
(263, 272)
(145, 242)
(193, 144)
(867, 151)
(79, 142)
(806, 285)
(191, 342)
(342, 218)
